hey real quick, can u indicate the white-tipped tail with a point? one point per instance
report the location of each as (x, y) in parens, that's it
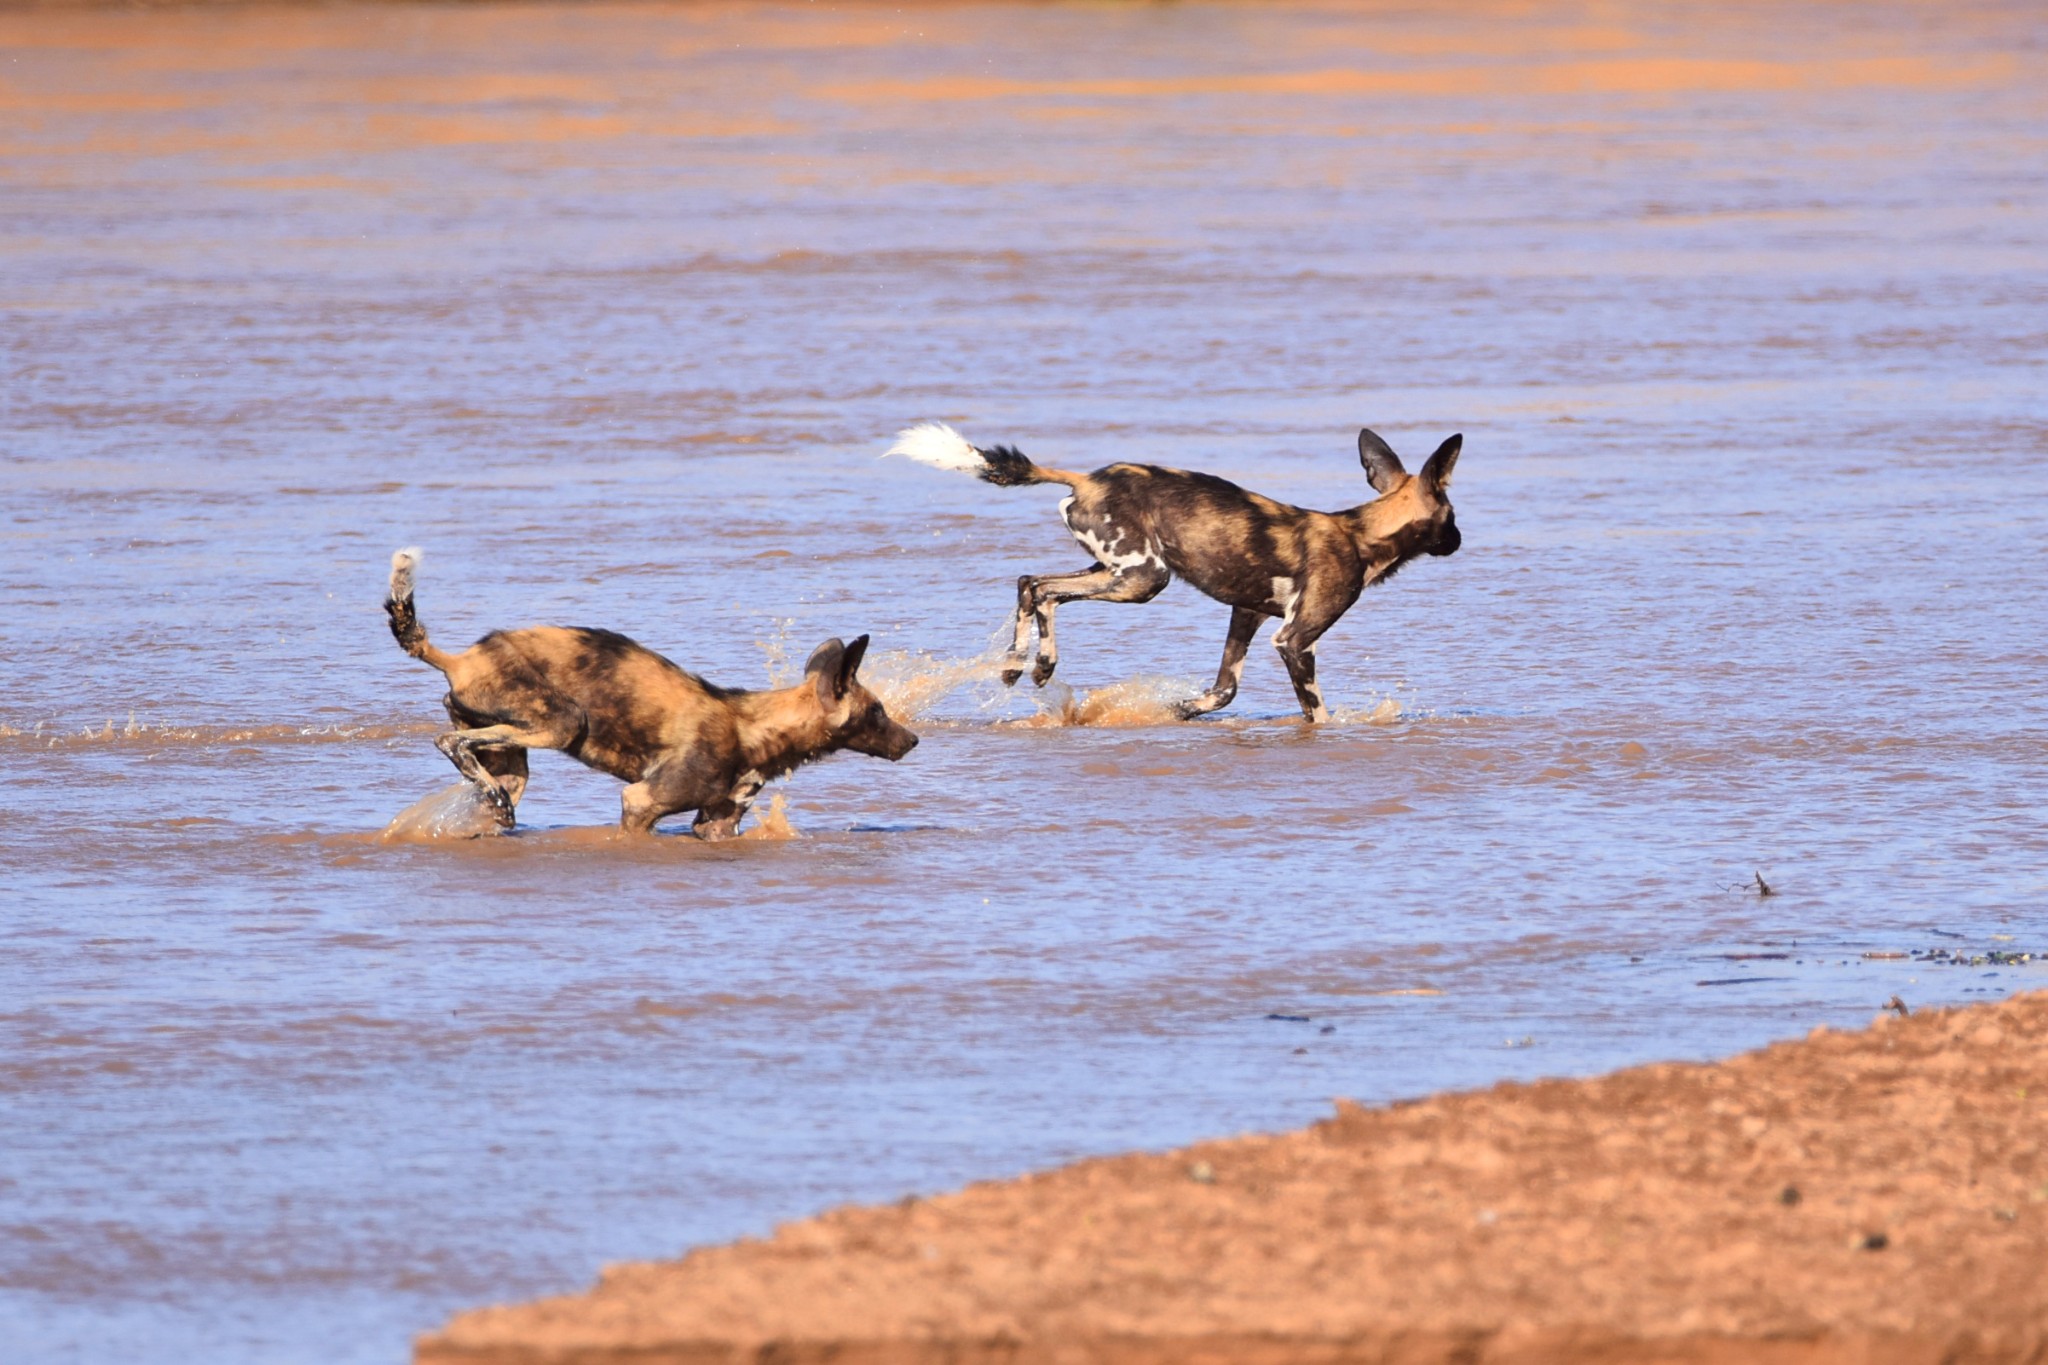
(404, 563)
(938, 445)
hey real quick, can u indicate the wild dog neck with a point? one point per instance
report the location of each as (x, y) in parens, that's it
(1390, 530)
(782, 730)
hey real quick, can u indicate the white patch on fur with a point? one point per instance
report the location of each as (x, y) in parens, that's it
(1283, 643)
(1109, 553)
(1286, 597)
(404, 568)
(938, 445)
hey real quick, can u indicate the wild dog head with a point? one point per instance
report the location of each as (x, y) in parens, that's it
(1420, 503)
(854, 717)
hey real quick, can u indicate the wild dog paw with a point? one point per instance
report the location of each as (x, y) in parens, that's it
(1041, 672)
(1010, 676)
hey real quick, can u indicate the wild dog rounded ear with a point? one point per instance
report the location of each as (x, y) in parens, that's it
(1437, 473)
(1383, 467)
(832, 665)
(850, 664)
(824, 660)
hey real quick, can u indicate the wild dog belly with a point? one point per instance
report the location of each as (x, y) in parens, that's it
(1248, 584)
(626, 754)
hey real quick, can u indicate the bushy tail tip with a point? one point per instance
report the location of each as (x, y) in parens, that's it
(404, 565)
(938, 445)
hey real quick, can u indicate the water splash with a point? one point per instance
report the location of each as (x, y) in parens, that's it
(910, 685)
(772, 825)
(784, 668)
(1145, 700)
(457, 812)
(43, 736)
(1386, 711)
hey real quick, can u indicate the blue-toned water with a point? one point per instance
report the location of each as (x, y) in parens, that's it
(613, 309)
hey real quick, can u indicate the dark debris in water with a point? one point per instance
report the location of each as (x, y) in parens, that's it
(1997, 957)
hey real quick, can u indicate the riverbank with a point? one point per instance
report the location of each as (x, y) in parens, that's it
(1878, 1195)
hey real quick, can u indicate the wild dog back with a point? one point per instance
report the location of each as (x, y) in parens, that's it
(1228, 542)
(630, 703)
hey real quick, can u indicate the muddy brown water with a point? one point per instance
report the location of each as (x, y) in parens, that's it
(1740, 309)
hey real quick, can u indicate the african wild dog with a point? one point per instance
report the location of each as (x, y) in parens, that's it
(681, 742)
(1145, 523)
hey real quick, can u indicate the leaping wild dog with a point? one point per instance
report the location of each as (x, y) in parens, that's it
(1145, 523)
(681, 742)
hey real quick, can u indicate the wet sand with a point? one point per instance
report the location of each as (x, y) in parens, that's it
(1873, 1197)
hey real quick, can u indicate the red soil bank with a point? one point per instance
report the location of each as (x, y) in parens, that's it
(1856, 1197)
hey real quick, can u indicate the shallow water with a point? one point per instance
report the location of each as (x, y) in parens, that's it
(1740, 311)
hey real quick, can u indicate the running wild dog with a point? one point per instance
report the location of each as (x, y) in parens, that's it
(681, 742)
(1142, 524)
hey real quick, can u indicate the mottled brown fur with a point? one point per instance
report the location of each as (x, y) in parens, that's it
(681, 743)
(1146, 524)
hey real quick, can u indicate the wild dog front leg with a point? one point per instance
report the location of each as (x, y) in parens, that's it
(1314, 612)
(1301, 670)
(1244, 624)
(721, 820)
(640, 807)
(678, 783)
(1296, 641)
(462, 749)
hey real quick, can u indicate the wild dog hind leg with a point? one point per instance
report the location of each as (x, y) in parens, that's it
(506, 763)
(1135, 583)
(1244, 624)
(1020, 634)
(464, 749)
(1030, 608)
